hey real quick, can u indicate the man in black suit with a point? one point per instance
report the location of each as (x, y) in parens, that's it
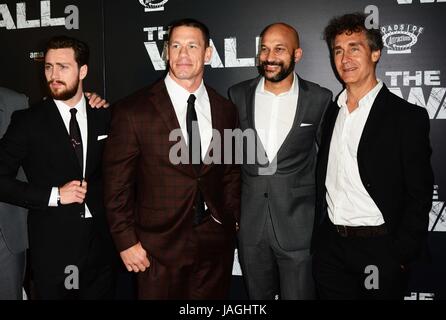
(374, 176)
(59, 145)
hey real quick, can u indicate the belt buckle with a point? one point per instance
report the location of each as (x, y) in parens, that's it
(342, 230)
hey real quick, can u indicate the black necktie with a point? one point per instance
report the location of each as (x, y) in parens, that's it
(195, 157)
(194, 135)
(75, 137)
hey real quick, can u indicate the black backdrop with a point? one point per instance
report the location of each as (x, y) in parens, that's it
(126, 40)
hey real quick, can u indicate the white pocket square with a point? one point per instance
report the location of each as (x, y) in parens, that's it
(305, 124)
(102, 137)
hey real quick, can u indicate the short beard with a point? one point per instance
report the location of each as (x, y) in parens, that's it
(284, 72)
(64, 95)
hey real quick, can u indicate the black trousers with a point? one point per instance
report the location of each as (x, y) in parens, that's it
(353, 268)
(96, 272)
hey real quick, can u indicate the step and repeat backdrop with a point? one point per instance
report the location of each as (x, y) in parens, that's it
(126, 40)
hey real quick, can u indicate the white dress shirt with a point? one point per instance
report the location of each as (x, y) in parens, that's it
(81, 117)
(274, 116)
(349, 203)
(178, 95)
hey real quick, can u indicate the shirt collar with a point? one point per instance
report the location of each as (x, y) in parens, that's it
(369, 98)
(80, 106)
(293, 90)
(180, 94)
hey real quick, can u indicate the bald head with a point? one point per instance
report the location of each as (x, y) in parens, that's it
(283, 29)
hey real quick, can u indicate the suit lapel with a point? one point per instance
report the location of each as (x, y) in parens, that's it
(328, 124)
(373, 123)
(91, 140)
(60, 136)
(216, 116)
(161, 101)
(303, 102)
(327, 134)
(250, 103)
(3, 115)
(2, 120)
(250, 114)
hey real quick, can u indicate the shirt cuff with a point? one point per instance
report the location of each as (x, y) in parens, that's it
(53, 197)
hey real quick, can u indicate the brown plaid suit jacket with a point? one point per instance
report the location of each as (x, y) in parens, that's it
(149, 199)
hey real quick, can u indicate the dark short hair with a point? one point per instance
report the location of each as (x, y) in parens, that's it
(188, 22)
(352, 23)
(81, 50)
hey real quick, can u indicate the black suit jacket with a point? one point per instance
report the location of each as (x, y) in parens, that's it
(37, 140)
(394, 164)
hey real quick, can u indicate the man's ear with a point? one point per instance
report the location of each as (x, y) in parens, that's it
(376, 55)
(83, 72)
(208, 54)
(298, 54)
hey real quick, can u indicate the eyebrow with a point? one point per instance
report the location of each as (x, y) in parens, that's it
(350, 44)
(57, 63)
(274, 44)
(187, 41)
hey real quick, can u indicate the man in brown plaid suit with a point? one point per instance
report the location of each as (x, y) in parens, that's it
(174, 224)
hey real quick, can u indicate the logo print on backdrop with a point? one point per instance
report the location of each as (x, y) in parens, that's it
(424, 87)
(399, 38)
(437, 218)
(420, 296)
(153, 5)
(421, 1)
(71, 21)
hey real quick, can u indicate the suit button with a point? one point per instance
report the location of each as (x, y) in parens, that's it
(194, 208)
(265, 194)
(198, 179)
(368, 185)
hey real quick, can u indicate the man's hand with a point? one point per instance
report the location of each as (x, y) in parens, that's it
(135, 258)
(95, 100)
(73, 191)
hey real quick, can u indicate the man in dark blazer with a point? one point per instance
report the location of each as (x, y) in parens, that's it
(374, 176)
(174, 221)
(59, 144)
(278, 191)
(13, 227)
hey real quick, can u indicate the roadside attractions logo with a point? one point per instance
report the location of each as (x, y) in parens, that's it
(400, 38)
(153, 5)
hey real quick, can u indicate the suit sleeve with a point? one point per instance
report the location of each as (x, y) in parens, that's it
(418, 180)
(13, 152)
(119, 169)
(231, 180)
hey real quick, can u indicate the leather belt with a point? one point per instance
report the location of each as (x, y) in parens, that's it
(361, 231)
